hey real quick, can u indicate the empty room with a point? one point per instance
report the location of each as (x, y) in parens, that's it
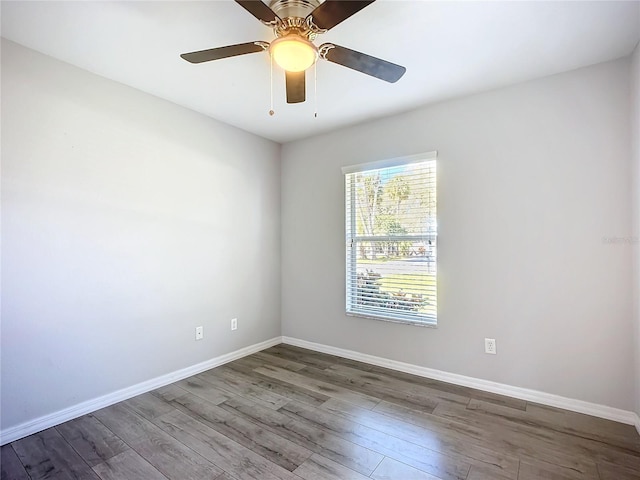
(320, 240)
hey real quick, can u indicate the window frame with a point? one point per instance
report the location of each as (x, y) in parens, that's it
(351, 244)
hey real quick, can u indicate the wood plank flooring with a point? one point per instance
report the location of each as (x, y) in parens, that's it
(287, 413)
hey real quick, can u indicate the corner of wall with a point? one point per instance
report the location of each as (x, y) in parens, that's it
(635, 209)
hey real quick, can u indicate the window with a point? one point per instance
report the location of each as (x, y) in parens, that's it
(391, 233)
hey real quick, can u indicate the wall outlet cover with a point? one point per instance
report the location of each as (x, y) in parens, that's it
(490, 346)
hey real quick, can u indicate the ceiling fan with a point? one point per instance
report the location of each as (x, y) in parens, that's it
(296, 23)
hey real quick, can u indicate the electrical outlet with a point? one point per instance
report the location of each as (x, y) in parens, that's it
(490, 346)
(234, 324)
(199, 333)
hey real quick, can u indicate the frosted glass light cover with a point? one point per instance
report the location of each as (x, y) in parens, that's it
(294, 53)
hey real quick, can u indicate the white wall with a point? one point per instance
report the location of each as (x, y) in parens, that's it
(635, 244)
(531, 178)
(127, 222)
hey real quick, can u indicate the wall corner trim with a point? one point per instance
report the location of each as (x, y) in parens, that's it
(580, 406)
(30, 427)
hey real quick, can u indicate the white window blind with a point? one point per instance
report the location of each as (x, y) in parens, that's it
(391, 233)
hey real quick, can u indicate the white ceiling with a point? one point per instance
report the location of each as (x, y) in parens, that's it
(449, 49)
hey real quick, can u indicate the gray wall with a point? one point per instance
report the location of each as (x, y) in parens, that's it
(635, 244)
(127, 222)
(532, 178)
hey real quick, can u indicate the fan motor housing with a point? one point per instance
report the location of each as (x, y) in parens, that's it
(293, 8)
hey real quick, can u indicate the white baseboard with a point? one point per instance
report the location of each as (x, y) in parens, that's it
(580, 406)
(33, 426)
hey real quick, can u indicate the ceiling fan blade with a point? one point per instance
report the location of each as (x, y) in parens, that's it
(295, 87)
(332, 12)
(259, 10)
(376, 67)
(224, 52)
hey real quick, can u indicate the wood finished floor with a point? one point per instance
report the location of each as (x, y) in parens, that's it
(288, 413)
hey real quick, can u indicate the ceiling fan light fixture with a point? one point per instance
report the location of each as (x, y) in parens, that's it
(293, 53)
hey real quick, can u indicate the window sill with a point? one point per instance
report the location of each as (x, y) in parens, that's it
(415, 323)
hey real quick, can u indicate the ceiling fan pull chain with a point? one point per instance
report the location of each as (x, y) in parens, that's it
(315, 89)
(271, 112)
